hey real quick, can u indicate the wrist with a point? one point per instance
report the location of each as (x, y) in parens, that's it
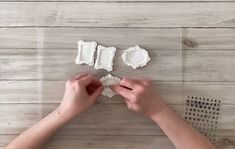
(63, 115)
(160, 108)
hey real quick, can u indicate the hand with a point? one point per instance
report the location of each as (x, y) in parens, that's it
(139, 96)
(80, 93)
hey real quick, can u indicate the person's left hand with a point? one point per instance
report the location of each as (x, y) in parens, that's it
(80, 93)
(140, 96)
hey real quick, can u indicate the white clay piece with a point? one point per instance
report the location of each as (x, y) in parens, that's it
(86, 52)
(105, 56)
(135, 57)
(107, 81)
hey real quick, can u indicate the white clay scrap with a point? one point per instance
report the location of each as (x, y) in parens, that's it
(86, 52)
(135, 57)
(107, 81)
(105, 56)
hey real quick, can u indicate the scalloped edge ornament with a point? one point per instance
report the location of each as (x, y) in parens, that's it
(131, 58)
(86, 52)
(107, 81)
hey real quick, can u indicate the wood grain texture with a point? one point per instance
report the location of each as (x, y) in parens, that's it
(223, 91)
(116, 142)
(38, 42)
(101, 142)
(101, 119)
(210, 65)
(208, 39)
(37, 64)
(52, 92)
(172, 92)
(87, 14)
(122, 38)
(116, 0)
(66, 38)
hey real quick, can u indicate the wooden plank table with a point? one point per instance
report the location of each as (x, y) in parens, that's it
(191, 43)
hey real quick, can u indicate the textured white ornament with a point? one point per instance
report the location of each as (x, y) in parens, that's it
(107, 81)
(135, 57)
(105, 56)
(86, 52)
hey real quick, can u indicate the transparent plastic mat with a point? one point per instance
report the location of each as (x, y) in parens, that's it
(42, 60)
(57, 50)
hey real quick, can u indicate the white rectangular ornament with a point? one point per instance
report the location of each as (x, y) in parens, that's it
(86, 52)
(105, 56)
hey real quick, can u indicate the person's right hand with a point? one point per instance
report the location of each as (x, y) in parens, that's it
(81, 92)
(139, 96)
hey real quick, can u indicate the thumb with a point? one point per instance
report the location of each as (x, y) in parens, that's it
(124, 92)
(97, 93)
(117, 89)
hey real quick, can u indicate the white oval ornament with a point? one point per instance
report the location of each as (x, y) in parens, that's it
(135, 57)
(107, 81)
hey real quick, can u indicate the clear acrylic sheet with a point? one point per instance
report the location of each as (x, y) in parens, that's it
(44, 58)
(56, 62)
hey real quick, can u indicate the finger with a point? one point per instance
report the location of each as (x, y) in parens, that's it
(97, 93)
(79, 76)
(97, 83)
(129, 105)
(87, 80)
(141, 80)
(124, 92)
(93, 86)
(138, 81)
(146, 81)
(128, 83)
(90, 89)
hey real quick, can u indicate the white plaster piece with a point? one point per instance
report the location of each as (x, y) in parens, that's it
(135, 57)
(86, 52)
(107, 81)
(105, 56)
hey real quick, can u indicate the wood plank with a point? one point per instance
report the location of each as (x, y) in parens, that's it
(208, 39)
(115, 142)
(223, 91)
(124, 14)
(172, 92)
(52, 92)
(199, 65)
(38, 64)
(66, 38)
(116, 0)
(23, 64)
(100, 120)
(103, 142)
(209, 65)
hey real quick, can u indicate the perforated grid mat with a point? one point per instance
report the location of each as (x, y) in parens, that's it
(203, 114)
